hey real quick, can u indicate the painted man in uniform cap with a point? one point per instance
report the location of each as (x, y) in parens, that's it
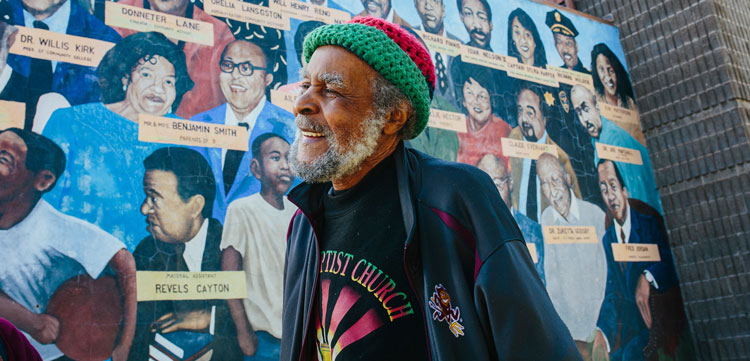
(395, 254)
(565, 34)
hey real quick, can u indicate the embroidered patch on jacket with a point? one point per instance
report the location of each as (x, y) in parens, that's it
(440, 302)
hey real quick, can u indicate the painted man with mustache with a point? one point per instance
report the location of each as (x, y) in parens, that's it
(575, 287)
(532, 121)
(625, 314)
(477, 18)
(638, 177)
(565, 34)
(254, 240)
(383, 228)
(382, 9)
(244, 75)
(179, 189)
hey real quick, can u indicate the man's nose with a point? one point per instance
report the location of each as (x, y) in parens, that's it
(305, 104)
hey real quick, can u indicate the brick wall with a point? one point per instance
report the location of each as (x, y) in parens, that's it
(690, 65)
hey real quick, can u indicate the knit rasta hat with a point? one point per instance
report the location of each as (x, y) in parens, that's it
(394, 53)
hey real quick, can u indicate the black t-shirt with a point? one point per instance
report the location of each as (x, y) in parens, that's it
(365, 308)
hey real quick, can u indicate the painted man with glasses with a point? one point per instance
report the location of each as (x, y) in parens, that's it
(244, 76)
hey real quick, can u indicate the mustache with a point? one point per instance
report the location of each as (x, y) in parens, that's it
(477, 32)
(303, 121)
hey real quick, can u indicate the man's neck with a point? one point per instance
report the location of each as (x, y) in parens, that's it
(240, 114)
(43, 14)
(274, 199)
(440, 31)
(368, 164)
(16, 210)
(475, 125)
(181, 11)
(195, 227)
(625, 214)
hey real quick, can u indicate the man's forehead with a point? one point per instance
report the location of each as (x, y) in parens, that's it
(240, 50)
(10, 137)
(274, 144)
(333, 63)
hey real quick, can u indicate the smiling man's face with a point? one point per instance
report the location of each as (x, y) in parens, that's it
(242, 92)
(432, 13)
(15, 178)
(338, 125)
(567, 48)
(377, 8)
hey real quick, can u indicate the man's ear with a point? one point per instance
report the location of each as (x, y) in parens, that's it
(269, 78)
(397, 118)
(44, 180)
(255, 168)
(195, 205)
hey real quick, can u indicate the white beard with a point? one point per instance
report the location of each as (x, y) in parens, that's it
(339, 160)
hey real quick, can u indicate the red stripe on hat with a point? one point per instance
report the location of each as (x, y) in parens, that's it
(407, 42)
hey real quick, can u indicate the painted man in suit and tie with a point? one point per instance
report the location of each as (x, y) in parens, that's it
(179, 188)
(244, 77)
(639, 178)
(625, 317)
(532, 112)
(77, 83)
(532, 231)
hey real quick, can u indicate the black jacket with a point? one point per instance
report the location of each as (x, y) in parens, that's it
(461, 236)
(153, 255)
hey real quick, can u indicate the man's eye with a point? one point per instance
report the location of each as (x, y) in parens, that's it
(276, 158)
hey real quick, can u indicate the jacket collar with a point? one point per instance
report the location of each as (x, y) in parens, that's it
(309, 196)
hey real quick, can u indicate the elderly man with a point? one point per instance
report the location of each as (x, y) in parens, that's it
(385, 259)
(179, 187)
(497, 169)
(44, 248)
(532, 128)
(477, 18)
(625, 314)
(77, 83)
(201, 59)
(382, 9)
(639, 178)
(565, 34)
(575, 287)
(254, 241)
(244, 75)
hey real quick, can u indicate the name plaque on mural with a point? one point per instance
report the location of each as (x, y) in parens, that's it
(569, 234)
(164, 286)
(523, 149)
(249, 13)
(45, 44)
(635, 252)
(619, 154)
(447, 120)
(184, 132)
(173, 27)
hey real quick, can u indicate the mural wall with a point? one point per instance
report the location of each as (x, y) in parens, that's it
(144, 168)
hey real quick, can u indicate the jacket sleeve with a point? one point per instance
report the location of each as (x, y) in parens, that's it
(512, 302)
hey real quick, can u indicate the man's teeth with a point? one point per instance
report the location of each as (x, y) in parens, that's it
(312, 134)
